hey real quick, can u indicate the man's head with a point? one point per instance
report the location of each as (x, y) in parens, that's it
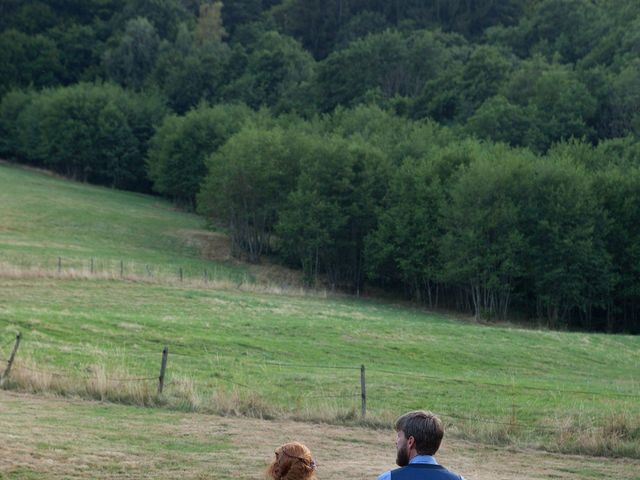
(293, 461)
(419, 433)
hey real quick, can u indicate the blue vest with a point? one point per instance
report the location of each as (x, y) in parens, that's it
(423, 471)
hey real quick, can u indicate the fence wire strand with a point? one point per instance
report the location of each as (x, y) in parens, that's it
(18, 366)
(374, 370)
(346, 395)
(235, 362)
(4, 345)
(490, 421)
(503, 385)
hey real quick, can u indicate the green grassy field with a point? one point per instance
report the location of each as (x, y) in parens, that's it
(44, 218)
(298, 356)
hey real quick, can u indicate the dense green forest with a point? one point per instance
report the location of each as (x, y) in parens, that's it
(478, 155)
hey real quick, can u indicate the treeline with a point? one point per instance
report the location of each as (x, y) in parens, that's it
(481, 156)
(363, 196)
(94, 133)
(525, 72)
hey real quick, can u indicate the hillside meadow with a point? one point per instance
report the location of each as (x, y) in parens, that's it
(45, 218)
(238, 347)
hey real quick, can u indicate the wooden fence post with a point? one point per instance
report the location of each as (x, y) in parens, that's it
(121, 269)
(363, 392)
(181, 274)
(91, 265)
(206, 276)
(59, 264)
(163, 367)
(5, 375)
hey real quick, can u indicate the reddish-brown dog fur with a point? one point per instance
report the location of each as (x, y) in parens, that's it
(293, 462)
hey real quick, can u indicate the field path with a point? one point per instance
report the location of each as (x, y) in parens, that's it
(46, 437)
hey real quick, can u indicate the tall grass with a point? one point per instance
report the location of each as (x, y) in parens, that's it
(159, 276)
(98, 382)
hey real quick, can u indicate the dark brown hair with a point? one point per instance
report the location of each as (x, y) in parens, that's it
(424, 427)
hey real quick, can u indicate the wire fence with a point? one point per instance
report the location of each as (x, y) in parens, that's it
(372, 370)
(79, 376)
(194, 272)
(338, 389)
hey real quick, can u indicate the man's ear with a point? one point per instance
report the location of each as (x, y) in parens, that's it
(411, 442)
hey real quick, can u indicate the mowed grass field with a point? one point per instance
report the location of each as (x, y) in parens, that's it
(234, 349)
(44, 218)
(44, 437)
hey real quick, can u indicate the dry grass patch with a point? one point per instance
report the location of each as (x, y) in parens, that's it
(264, 283)
(617, 434)
(97, 383)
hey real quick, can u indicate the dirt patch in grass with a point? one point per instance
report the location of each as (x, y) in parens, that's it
(55, 438)
(212, 245)
(216, 246)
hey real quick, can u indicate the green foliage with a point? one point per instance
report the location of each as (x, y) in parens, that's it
(483, 245)
(390, 62)
(96, 133)
(79, 48)
(27, 60)
(483, 75)
(12, 105)
(569, 28)
(567, 263)
(248, 182)
(176, 159)
(278, 74)
(619, 193)
(330, 212)
(561, 107)
(34, 17)
(189, 71)
(322, 25)
(539, 105)
(624, 103)
(499, 120)
(133, 58)
(164, 15)
(404, 248)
